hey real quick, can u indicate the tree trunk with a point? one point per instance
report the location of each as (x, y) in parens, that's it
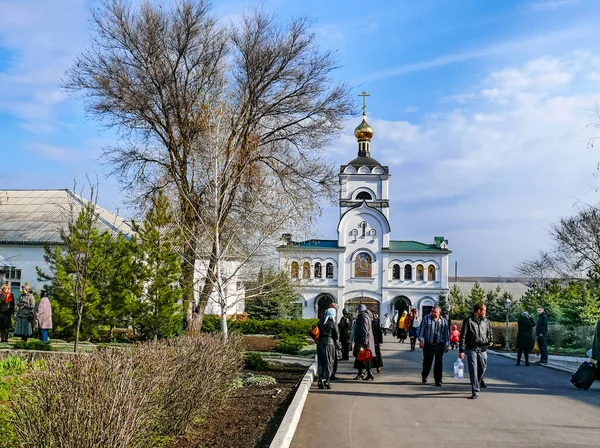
(224, 324)
(76, 345)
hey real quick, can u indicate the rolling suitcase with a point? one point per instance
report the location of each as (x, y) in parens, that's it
(584, 377)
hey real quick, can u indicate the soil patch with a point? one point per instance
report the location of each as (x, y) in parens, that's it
(259, 343)
(250, 417)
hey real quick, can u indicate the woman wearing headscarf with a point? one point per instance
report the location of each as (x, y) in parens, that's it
(403, 327)
(7, 309)
(525, 340)
(364, 340)
(25, 314)
(44, 317)
(328, 336)
(413, 327)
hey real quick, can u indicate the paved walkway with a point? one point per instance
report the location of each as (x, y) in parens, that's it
(522, 406)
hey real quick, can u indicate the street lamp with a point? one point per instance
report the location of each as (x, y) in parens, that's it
(507, 303)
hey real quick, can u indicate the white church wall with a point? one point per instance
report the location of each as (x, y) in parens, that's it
(234, 289)
(26, 258)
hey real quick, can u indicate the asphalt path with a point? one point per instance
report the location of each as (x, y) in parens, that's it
(522, 406)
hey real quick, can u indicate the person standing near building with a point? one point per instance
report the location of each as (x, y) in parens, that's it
(387, 324)
(7, 309)
(525, 337)
(541, 332)
(395, 323)
(434, 340)
(25, 314)
(328, 335)
(378, 338)
(414, 322)
(475, 338)
(364, 340)
(44, 317)
(345, 327)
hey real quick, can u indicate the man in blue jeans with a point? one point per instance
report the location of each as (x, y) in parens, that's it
(541, 331)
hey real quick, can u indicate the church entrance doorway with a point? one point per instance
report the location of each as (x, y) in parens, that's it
(323, 301)
(400, 304)
(371, 304)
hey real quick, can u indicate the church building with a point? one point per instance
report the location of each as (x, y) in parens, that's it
(364, 265)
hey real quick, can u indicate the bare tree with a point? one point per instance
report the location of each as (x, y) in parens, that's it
(539, 270)
(159, 75)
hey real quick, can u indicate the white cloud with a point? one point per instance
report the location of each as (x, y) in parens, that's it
(494, 174)
(551, 4)
(42, 40)
(52, 152)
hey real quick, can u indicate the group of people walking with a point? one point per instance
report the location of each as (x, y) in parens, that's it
(28, 315)
(435, 337)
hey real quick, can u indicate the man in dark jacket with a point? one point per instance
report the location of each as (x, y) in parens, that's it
(475, 338)
(541, 332)
(345, 327)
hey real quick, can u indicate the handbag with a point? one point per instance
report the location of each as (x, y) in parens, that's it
(536, 348)
(364, 355)
(315, 332)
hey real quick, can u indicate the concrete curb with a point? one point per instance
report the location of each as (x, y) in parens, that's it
(288, 425)
(549, 366)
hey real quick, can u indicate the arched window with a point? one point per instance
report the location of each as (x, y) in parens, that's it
(295, 270)
(318, 270)
(306, 270)
(408, 272)
(363, 195)
(420, 272)
(329, 270)
(396, 272)
(363, 226)
(362, 265)
(431, 273)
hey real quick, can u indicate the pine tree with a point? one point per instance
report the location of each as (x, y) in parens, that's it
(495, 304)
(457, 305)
(159, 304)
(443, 304)
(476, 295)
(272, 297)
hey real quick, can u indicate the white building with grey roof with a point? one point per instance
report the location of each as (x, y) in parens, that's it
(32, 219)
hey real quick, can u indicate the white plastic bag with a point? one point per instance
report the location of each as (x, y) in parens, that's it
(459, 369)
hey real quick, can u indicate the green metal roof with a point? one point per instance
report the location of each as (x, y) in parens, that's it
(321, 244)
(414, 246)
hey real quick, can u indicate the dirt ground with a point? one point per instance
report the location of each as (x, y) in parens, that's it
(250, 417)
(259, 343)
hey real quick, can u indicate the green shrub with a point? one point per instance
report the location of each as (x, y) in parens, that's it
(33, 345)
(249, 379)
(499, 333)
(12, 365)
(8, 438)
(280, 327)
(291, 345)
(254, 361)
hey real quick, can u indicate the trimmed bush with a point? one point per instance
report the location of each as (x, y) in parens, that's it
(291, 345)
(499, 333)
(33, 345)
(254, 361)
(126, 397)
(280, 327)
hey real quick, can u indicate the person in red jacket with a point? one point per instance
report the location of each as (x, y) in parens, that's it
(454, 337)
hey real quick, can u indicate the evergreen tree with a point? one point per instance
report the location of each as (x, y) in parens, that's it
(443, 304)
(495, 304)
(159, 310)
(456, 302)
(476, 295)
(272, 296)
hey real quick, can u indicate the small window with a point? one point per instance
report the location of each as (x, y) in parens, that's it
(408, 272)
(420, 273)
(363, 226)
(329, 270)
(431, 273)
(318, 270)
(363, 195)
(295, 270)
(306, 270)
(396, 272)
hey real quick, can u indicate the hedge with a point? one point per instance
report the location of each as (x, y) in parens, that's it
(280, 327)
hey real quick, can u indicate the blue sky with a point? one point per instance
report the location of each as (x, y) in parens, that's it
(479, 109)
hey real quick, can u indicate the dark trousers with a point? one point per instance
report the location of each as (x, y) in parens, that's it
(431, 352)
(520, 352)
(543, 346)
(345, 350)
(477, 363)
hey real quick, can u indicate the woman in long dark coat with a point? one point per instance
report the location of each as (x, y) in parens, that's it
(378, 337)
(25, 314)
(363, 339)
(7, 309)
(328, 336)
(525, 339)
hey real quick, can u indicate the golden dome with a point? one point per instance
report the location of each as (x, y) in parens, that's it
(363, 131)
